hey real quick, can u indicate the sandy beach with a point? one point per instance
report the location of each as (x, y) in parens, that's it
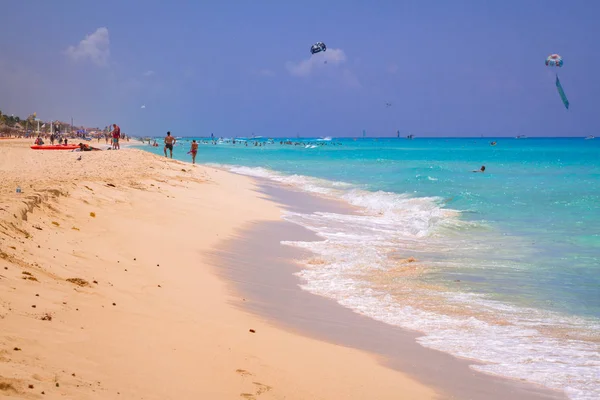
(107, 290)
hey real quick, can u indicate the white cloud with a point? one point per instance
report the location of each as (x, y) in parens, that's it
(94, 46)
(148, 73)
(319, 60)
(143, 106)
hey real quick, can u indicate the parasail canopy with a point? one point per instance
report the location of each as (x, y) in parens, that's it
(317, 48)
(554, 60)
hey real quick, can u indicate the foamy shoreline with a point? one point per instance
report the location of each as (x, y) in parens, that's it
(106, 291)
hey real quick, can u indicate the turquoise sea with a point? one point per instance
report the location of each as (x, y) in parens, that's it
(502, 267)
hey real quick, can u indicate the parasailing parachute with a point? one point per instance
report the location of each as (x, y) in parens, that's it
(554, 60)
(317, 48)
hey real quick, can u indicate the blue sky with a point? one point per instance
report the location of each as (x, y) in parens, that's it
(449, 68)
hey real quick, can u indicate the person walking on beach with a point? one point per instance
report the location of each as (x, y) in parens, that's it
(169, 142)
(194, 151)
(116, 134)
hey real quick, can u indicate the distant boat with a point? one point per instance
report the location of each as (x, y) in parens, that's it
(590, 137)
(521, 137)
(410, 137)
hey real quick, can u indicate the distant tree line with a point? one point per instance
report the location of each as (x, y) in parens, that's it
(30, 123)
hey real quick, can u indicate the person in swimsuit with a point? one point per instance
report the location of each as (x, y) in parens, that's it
(116, 134)
(169, 142)
(194, 151)
(482, 169)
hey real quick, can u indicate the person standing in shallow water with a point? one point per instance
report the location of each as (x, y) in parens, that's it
(169, 142)
(194, 151)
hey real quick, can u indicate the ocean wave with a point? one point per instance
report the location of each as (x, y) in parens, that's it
(371, 261)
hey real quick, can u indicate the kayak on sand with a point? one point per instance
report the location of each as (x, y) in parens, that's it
(56, 147)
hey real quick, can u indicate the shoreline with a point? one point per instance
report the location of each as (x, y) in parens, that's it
(107, 293)
(268, 279)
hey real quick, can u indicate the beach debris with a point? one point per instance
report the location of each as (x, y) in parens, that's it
(17, 349)
(26, 273)
(88, 188)
(78, 282)
(252, 331)
(93, 214)
(30, 386)
(96, 282)
(75, 228)
(39, 228)
(114, 304)
(110, 184)
(159, 286)
(57, 385)
(134, 259)
(37, 295)
(55, 223)
(46, 317)
(33, 306)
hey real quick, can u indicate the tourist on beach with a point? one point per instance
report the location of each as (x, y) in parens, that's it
(169, 142)
(194, 151)
(116, 134)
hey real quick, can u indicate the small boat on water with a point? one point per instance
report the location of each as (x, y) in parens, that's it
(521, 137)
(590, 137)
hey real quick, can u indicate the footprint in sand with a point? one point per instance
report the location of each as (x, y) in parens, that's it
(243, 372)
(260, 388)
(249, 396)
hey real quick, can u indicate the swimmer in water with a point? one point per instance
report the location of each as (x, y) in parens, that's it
(482, 169)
